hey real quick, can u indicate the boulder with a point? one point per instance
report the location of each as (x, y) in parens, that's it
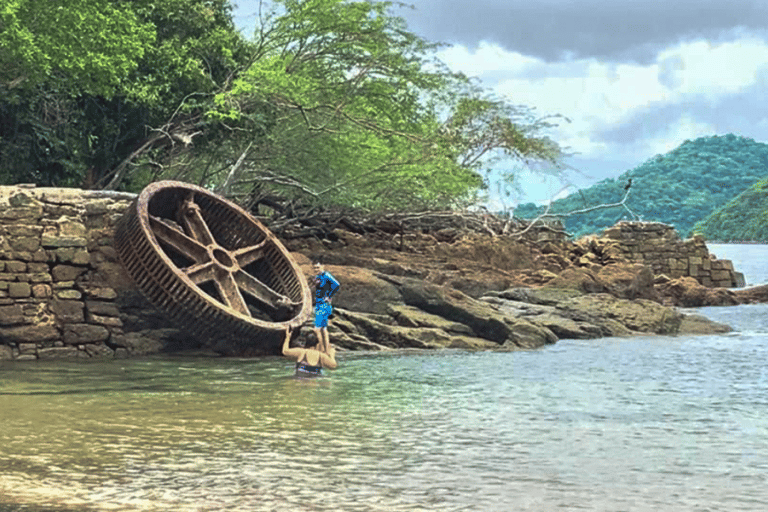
(622, 280)
(383, 331)
(687, 292)
(752, 295)
(619, 317)
(361, 290)
(484, 319)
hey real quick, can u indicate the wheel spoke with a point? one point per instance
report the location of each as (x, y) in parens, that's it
(261, 292)
(248, 255)
(177, 240)
(192, 219)
(201, 272)
(230, 293)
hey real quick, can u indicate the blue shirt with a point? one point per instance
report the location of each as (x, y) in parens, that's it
(325, 286)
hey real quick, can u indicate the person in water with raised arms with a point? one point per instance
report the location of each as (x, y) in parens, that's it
(309, 360)
(325, 286)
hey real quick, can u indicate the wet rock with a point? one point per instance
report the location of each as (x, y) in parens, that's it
(697, 324)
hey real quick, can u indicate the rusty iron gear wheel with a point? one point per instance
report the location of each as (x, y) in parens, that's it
(215, 270)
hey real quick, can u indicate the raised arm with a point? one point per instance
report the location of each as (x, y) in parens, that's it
(334, 284)
(292, 353)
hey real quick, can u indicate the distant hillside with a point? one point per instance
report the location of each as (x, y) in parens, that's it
(743, 218)
(681, 187)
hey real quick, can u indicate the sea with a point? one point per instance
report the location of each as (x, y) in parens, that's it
(616, 424)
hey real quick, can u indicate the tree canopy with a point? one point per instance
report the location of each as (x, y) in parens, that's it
(330, 101)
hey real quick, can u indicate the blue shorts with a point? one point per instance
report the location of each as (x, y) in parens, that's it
(322, 313)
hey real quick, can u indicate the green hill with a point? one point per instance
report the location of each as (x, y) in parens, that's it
(681, 187)
(743, 218)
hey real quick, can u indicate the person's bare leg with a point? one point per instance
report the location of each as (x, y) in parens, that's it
(326, 341)
(320, 340)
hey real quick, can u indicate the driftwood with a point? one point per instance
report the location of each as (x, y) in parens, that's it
(291, 221)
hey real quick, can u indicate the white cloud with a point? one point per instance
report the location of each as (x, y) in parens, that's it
(596, 95)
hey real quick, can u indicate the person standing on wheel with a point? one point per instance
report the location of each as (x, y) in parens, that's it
(325, 286)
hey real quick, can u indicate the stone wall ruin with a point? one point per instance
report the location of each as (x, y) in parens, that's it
(65, 294)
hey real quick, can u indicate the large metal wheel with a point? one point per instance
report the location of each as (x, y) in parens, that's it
(215, 270)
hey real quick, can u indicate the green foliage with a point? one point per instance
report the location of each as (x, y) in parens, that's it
(85, 83)
(680, 188)
(356, 111)
(82, 46)
(742, 219)
(333, 101)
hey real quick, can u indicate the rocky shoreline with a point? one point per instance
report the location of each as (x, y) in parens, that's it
(483, 292)
(65, 294)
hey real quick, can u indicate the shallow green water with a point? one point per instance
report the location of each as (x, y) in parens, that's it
(619, 424)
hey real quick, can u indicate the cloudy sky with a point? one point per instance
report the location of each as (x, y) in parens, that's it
(635, 77)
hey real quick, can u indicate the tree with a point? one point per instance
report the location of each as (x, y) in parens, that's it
(91, 88)
(357, 111)
(333, 101)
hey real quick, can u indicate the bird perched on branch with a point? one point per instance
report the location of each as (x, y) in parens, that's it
(629, 184)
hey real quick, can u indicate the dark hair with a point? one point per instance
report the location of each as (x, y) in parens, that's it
(311, 340)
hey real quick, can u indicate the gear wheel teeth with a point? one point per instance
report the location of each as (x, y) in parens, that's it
(212, 268)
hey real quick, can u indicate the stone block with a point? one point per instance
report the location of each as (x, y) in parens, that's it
(61, 353)
(706, 263)
(66, 234)
(102, 293)
(19, 290)
(11, 315)
(29, 333)
(27, 348)
(69, 294)
(693, 271)
(15, 266)
(42, 291)
(81, 257)
(65, 254)
(102, 308)
(37, 268)
(68, 311)
(30, 214)
(25, 243)
(109, 321)
(99, 350)
(66, 272)
(76, 334)
(721, 275)
(694, 260)
(42, 277)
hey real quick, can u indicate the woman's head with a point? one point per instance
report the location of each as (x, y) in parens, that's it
(311, 340)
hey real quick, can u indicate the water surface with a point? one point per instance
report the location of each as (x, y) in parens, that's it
(614, 424)
(631, 424)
